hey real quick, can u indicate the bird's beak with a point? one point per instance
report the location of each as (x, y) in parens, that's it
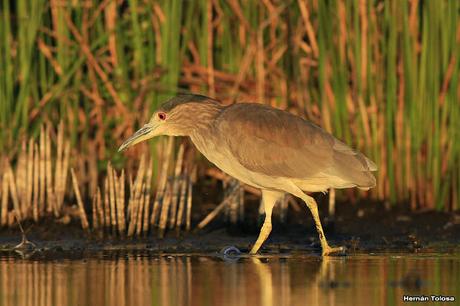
(142, 134)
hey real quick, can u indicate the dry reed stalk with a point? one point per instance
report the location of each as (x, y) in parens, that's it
(215, 212)
(210, 45)
(112, 198)
(162, 181)
(65, 170)
(176, 185)
(58, 165)
(29, 188)
(140, 212)
(14, 192)
(36, 183)
(135, 195)
(42, 177)
(130, 189)
(232, 208)
(94, 213)
(51, 206)
(131, 224)
(92, 61)
(92, 169)
(244, 68)
(110, 14)
(120, 188)
(84, 219)
(46, 51)
(156, 206)
(180, 211)
(164, 212)
(4, 208)
(107, 206)
(148, 187)
(259, 66)
(21, 177)
(225, 78)
(188, 219)
(100, 210)
(81, 164)
(61, 181)
(133, 216)
(11, 218)
(131, 182)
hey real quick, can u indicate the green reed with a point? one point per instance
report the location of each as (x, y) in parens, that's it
(381, 75)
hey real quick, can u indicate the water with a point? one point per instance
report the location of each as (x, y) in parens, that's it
(114, 279)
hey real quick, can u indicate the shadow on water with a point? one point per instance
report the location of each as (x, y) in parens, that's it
(120, 278)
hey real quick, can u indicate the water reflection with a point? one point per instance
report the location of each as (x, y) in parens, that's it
(198, 280)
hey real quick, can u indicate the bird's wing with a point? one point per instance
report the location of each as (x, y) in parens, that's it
(274, 142)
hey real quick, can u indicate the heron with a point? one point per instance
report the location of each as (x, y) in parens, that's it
(264, 147)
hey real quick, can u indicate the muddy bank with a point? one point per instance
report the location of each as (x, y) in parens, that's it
(361, 228)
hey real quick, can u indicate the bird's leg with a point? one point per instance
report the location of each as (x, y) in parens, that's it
(263, 235)
(269, 199)
(326, 249)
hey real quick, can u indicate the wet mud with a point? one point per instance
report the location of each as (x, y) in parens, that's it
(361, 228)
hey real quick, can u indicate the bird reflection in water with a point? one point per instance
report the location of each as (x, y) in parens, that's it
(127, 279)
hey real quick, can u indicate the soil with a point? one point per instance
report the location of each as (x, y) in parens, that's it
(361, 227)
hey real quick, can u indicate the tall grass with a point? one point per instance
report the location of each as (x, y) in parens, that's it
(381, 75)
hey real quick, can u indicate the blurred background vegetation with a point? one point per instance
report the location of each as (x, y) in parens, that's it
(381, 75)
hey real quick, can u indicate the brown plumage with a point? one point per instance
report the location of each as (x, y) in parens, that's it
(264, 147)
(277, 143)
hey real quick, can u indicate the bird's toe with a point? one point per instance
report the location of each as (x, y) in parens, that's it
(326, 251)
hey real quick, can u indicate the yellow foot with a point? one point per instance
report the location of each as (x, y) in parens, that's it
(326, 251)
(254, 251)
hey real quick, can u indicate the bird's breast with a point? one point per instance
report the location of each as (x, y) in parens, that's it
(219, 154)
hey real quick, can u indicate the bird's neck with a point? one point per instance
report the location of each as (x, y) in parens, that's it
(205, 140)
(203, 120)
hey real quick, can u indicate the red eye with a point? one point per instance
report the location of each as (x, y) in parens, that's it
(162, 116)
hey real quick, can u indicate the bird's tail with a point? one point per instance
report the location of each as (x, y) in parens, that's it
(356, 169)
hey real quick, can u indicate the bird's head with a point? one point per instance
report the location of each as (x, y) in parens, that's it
(178, 116)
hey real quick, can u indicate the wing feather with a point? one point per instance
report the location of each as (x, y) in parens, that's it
(276, 143)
